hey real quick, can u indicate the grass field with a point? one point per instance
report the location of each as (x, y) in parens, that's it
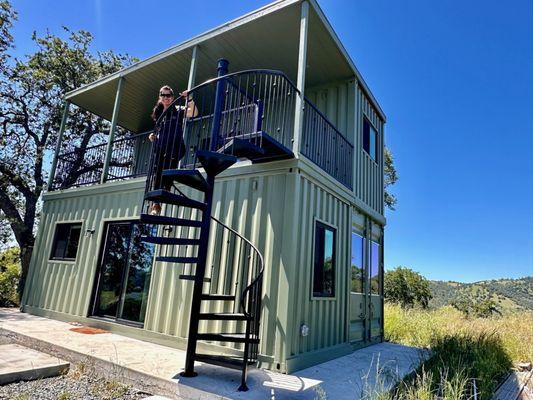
(470, 355)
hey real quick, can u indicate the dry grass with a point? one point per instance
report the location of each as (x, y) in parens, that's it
(469, 354)
(420, 328)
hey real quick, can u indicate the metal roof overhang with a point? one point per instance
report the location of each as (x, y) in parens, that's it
(266, 38)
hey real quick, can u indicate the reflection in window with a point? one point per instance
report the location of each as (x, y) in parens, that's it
(66, 240)
(357, 266)
(374, 268)
(370, 139)
(324, 266)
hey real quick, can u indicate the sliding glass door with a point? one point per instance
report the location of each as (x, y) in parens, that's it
(123, 280)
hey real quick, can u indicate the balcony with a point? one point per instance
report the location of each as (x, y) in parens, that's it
(259, 108)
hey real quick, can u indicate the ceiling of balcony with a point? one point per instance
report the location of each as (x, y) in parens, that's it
(267, 38)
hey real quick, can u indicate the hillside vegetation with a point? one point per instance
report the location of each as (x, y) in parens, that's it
(510, 295)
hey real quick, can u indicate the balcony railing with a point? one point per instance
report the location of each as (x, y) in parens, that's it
(254, 101)
(84, 166)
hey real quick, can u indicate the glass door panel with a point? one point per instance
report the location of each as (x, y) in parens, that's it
(375, 291)
(138, 276)
(114, 261)
(125, 272)
(357, 290)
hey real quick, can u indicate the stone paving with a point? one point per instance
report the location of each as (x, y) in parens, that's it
(363, 372)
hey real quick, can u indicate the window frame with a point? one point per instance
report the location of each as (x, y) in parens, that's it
(363, 255)
(378, 140)
(334, 229)
(52, 257)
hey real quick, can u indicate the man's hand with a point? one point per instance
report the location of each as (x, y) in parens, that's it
(152, 137)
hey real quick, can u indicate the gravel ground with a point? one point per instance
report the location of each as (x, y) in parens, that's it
(68, 387)
(79, 383)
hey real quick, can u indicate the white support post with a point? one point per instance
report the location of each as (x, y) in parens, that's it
(111, 138)
(62, 128)
(300, 81)
(192, 71)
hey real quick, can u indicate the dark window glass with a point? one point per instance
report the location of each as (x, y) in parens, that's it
(357, 268)
(125, 272)
(66, 240)
(370, 139)
(324, 267)
(374, 268)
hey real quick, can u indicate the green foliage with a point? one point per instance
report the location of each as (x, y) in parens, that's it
(31, 93)
(390, 178)
(507, 295)
(480, 308)
(464, 350)
(9, 277)
(407, 288)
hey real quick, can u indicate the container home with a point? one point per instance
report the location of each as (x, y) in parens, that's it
(268, 249)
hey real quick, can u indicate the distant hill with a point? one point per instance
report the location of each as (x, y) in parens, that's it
(509, 294)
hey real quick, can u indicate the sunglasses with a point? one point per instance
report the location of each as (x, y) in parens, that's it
(166, 95)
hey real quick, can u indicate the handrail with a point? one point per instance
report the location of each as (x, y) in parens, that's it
(230, 75)
(94, 146)
(261, 264)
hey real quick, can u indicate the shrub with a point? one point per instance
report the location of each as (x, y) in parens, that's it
(407, 288)
(476, 307)
(9, 277)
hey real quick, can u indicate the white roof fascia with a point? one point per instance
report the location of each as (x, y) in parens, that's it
(243, 19)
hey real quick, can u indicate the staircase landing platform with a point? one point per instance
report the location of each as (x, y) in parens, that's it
(158, 367)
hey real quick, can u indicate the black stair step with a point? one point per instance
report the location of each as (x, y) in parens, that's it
(227, 297)
(162, 220)
(233, 362)
(170, 240)
(192, 278)
(242, 148)
(182, 260)
(227, 337)
(223, 316)
(214, 163)
(190, 177)
(164, 196)
(273, 150)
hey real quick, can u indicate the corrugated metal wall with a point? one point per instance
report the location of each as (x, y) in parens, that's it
(251, 204)
(345, 104)
(65, 286)
(326, 317)
(368, 185)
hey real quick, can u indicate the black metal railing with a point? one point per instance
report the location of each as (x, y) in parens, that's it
(323, 144)
(84, 166)
(252, 101)
(237, 270)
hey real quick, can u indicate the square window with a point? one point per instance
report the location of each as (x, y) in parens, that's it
(66, 240)
(370, 139)
(324, 263)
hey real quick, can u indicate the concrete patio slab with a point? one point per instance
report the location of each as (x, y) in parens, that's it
(20, 363)
(156, 368)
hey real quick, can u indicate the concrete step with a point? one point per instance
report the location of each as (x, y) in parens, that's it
(19, 363)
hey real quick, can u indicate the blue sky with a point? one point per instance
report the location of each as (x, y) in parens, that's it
(455, 79)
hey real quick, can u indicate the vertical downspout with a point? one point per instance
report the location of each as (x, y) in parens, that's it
(111, 138)
(62, 128)
(300, 81)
